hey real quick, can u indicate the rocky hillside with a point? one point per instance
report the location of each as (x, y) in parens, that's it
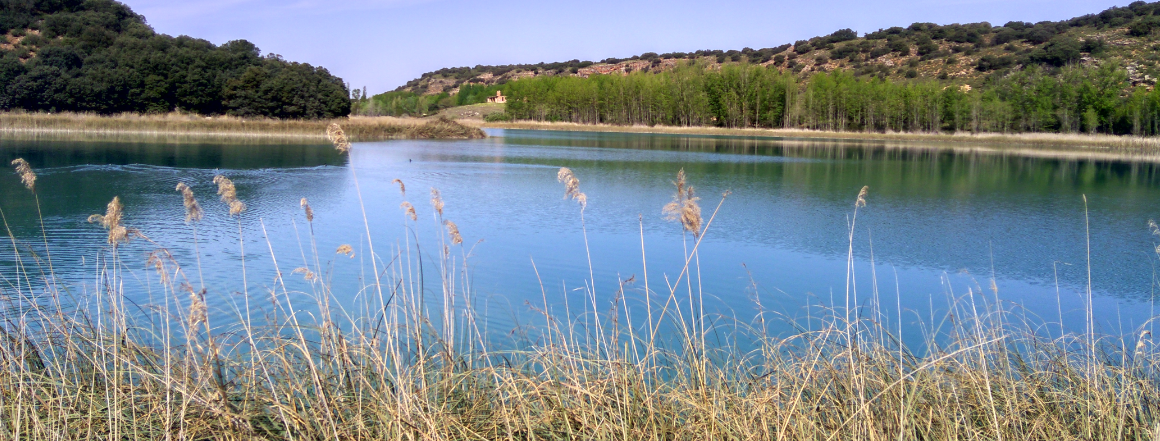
(962, 53)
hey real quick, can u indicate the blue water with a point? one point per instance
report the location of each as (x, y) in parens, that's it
(938, 223)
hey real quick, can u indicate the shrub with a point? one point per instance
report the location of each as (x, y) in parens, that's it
(844, 51)
(1040, 35)
(842, 35)
(498, 117)
(1005, 36)
(927, 48)
(1093, 45)
(1057, 52)
(991, 62)
(1144, 26)
(900, 46)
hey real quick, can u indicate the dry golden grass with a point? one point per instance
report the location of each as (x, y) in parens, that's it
(401, 373)
(176, 127)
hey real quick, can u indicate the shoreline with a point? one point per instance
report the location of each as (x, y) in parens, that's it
(175, 127)
(1046, 145)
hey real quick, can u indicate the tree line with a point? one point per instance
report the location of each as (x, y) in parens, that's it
(1074, 98)
(99, 56)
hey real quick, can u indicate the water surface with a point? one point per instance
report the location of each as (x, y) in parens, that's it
(939, 222)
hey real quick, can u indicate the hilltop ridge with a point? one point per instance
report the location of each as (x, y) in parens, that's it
(965, 53)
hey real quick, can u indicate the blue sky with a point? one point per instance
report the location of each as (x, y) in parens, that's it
(382, 44)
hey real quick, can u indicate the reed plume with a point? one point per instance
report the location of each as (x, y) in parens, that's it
(684, 206)
(111, 221)
(402, 188)
(197, 308)
(1142, 343)
(409, 210)
(309, 211)
(229, 194)
(453, 231)
(193, 212)
(338, 138)
(306, 273)
(27, 177)
(572, 187)
(345, 249)
(861, 201)
(437, 201)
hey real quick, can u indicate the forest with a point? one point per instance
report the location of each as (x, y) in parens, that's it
(99, 56)
(1069, 99)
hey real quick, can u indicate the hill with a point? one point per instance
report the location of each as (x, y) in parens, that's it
(967, 52)
(1094, 73)
(100, 56)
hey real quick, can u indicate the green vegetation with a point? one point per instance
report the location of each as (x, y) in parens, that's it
(99, 56)
(183, 368)
(1091, 74)
(975, 48)
(1066, 100)
(407, 103)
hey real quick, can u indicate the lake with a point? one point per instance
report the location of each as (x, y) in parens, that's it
(941, 222)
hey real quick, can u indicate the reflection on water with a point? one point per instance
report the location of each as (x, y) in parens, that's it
(940, 220)
(45, 154)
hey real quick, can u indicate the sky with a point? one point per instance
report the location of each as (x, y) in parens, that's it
(381, 44)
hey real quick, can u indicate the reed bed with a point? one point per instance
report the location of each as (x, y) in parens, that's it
(176, 126)
(418, 367)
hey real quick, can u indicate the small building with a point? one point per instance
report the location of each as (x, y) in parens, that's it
(498, 98)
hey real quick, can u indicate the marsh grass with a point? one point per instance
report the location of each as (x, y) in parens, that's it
(398, 371)
(176, 127)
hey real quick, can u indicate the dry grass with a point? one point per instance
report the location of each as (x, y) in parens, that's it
(399, 371)
(1039, 144)
(176, 127)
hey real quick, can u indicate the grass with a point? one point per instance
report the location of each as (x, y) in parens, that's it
(472, 113)
(177, 127)
(1040, 144)
(416, 366)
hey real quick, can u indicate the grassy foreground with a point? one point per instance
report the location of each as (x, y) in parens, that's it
(414, 365)
(173, 127)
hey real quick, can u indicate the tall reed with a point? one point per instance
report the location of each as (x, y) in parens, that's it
(174, 371)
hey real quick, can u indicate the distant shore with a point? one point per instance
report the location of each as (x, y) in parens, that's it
(175, 127)
(1070, 145)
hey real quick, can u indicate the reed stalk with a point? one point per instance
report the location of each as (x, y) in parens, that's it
(177, 369)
